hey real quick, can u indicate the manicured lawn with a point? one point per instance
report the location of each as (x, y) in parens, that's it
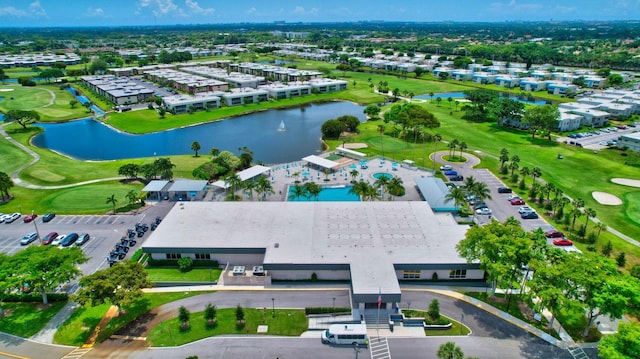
(12, 157)
(286, 322)
(410, 84)
(39, 98)
(456, 327)
(26, 319)
(159, 274)
(77, 329)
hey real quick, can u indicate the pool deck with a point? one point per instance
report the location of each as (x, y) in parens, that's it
(282, 176)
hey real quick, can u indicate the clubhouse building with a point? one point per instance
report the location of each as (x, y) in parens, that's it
(374, 245)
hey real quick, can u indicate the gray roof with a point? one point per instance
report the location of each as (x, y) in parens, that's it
(434, 191)
(155, 186)
(369, 236)
(188, 186)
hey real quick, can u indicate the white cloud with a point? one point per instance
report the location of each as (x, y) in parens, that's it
(95, 12)
(196, 9)
(34, 9)
(566, 9)
(252, 11)
(514, 6)
(299, 10)
(161, 7)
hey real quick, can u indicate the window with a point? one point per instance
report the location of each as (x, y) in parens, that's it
(203, 256)
(458, 274)
(411, 274)
(174, 255)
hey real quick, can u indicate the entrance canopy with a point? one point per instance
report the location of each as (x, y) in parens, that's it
(244, 175)
(321, 162)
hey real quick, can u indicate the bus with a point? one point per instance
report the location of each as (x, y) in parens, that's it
(346, 334)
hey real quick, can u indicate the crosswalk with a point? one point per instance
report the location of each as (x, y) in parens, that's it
(379, 348)
(578, 353)
(77, 353)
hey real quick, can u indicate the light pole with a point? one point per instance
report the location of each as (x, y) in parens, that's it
(334, 304)
(36, 226)
(273, 307)
(356, 349)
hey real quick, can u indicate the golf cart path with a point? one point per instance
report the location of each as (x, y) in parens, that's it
(36, 157)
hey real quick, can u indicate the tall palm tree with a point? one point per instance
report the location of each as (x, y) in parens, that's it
(354, 175)
(457, 195)
(449, 350)
(195, 147)
(513, 166)
(395, 185)
(450, 101)
(436, 138)
(381, 132)
(133, 197)
(297, 191)
(165, 168)
(535, 173)
(462, 145)
(382, 182)
(600, 227)
(372, 193)
(233, 180)
(361, 189)
(575, 212)
(250, 186)
(548, 189)
(113, 201)
(481, 191)
(264, 187)
(524, 171)
(452, 146)
(313, 190)
(589, 213)
(504, 157)
(5, 184)
(469, 183)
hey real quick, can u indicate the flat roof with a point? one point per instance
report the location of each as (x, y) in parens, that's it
(188, 186)
(371, 237)
(319, 161)
(244, 175)
(155, 186)
(434, 191)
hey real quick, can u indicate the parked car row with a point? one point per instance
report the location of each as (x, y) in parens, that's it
(525, 212)
(55, 239)
(12, 217)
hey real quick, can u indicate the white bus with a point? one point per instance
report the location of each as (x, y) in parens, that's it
(346, 334)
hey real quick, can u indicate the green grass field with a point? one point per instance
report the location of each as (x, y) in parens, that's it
(51, 103)
(287, 322)
(26, 319)
(163, 274)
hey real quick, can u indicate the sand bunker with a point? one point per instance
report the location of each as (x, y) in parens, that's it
(355, 145)
(626, 182)
(6, 90)
(606, 198)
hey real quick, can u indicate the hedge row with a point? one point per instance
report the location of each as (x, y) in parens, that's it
(36, 297)
(325, 310)
(197, 263)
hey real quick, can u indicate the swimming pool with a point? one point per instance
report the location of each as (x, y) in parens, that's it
(378, 175)
(328, 194)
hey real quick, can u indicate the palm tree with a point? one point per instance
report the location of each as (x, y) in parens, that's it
(133, 197)
(438, 100)
(381, 131)
(575, 212)
(250, 185)
(165, 168)
(297, 191)
(469, 183)
(512, 221)
(600, 227)
(360, 188)
(295, 176)
(264, 187)
(395, 186)
(535, 173)
(524, 171)
(431, 95)
(354, 175)
(456, 195)
(195, 146)
(113, 201)
(456, 103)
(232, 179)
(547, 189)
(452, 146)
(450, 101)
(372, 193)
(382, 182)
(481, 191)
(589, 213)
(449, 350)
(513, 166)
(313, 190)
(436, 138)
(504, 157)
(462, 145)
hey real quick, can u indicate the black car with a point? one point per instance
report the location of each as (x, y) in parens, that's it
(456, 178)
(480, 205)
(70, 239)
(529, 215)
(504, 190)
(47, 217)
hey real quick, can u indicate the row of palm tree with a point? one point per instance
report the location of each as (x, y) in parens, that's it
(471, 187)
(261, 186)
(376, 191)
(455, 144)
(308, 190)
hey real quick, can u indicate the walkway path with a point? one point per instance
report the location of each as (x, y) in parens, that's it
(53, 97)
(15, 176)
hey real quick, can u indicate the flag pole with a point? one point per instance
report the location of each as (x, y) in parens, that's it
(379, 304)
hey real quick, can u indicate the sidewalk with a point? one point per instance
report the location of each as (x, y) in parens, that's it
(46, 334)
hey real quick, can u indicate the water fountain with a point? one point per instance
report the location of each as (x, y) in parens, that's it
(281, 127)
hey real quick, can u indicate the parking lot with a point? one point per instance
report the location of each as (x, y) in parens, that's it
(600, 138)
(105, 232)
(500, 207)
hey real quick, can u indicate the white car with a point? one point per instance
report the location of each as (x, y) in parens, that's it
(483, 211)
(58, 240)
(512, 196)
(525, 209)
(10, 218)
(445, 168)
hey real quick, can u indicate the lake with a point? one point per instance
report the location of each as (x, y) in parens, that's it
(89, 139)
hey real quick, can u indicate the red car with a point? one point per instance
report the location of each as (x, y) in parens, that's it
(562, 242)
(553, 234)
(30, 218)
(517, 201)
(49, 238)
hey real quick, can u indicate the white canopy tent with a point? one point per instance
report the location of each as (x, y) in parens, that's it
(244, 175)
(321, 162)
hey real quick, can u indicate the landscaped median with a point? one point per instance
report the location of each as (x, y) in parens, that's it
(283, 322)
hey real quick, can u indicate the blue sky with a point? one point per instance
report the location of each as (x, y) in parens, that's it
(20, 13)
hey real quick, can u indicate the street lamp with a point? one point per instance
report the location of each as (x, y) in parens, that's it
(356, 350)
(36, 226)
(273, 307)
(334, 304)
